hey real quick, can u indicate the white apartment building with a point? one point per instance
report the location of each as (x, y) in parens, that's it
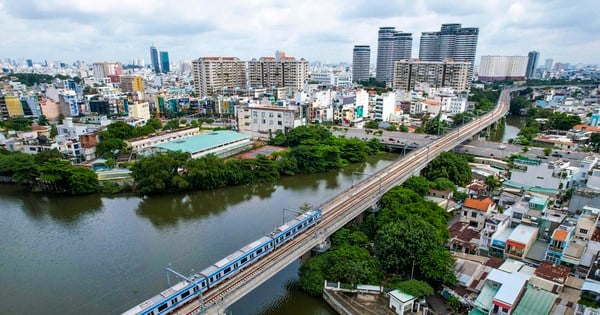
(262, 122)
(493, 68)
(385, 105)
(140, 110)
(269, 72)
(453, 104)
(216, 74)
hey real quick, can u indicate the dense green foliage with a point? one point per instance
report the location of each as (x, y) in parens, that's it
(418, 184)
(30, 79)
(595, 141)
(554, 121)
(18, 124)
(348, 261)
(518, 103)
(451, 166)
(47, 171)
(414, 287)
(485, 99)
(372, 124)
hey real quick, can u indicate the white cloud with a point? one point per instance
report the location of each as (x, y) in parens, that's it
(316, 30)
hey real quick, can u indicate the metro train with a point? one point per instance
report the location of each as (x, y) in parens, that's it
(184, 291)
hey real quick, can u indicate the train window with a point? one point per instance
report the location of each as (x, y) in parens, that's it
(259, 251)
(203, 284)
(162, 307)
(227, 270)
(212, 279)
(197, 288)
(288, 234)
(244, 259)
(185, 294)
(173, 301)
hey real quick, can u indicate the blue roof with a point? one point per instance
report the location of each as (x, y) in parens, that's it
(202, 142)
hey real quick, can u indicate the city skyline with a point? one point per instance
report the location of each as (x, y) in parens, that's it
(123, 31)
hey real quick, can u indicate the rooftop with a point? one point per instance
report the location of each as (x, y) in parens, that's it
(552, 272)
(511, 285)
(481, 205)
(535, 301)
(202, 141)
(560, 234)
(401, 296)
(522, 234)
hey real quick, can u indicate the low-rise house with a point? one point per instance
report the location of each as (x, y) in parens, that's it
(558, 243)
(475, 211)
(520, 240)
(464, 238)
(494, 225)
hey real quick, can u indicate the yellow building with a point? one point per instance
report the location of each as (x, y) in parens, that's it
(10, 106)
(132, 83)
(139, 110)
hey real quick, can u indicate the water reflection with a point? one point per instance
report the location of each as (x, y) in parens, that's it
(63, 209)
(168, 210)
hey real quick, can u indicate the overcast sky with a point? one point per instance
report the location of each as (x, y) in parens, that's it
(325, 30)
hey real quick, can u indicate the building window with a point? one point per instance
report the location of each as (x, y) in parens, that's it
(278, 115)
(473, 214)
(583, 231)
(279, 123)
(465, 213)
(264, 121)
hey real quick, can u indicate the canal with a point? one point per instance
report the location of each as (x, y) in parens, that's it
(512, 126)
(103, 255)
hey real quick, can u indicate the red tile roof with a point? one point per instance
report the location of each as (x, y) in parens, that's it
(481, 205)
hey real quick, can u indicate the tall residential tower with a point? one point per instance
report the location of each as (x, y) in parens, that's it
(452, 41)
(165, 67)
(154, 59)
(392, 45)
(361, 61)
(532, 61)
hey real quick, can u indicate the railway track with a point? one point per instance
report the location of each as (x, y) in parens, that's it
(340, 207)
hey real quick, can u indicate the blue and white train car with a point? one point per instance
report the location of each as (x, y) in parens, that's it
(227, 266)
(182, 292)
(290, 229)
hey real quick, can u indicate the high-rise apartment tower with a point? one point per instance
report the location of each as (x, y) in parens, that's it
(154, 59)
(452, 41)
(392, 45)
(361, 61)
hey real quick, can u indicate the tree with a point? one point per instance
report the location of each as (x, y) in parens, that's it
(547, 151)
(42, 120)
(44, 156)
(595, 141)
(372, 124)
(82, 180)
(159, 173)
(403, 128)
(155, 123)
(415, 288)
(53, 131)
(492, 182)
(20, 166)
(391, 128)
(402, 245)
(60, 118)
(517, 104)
(525, 149)
(110, 147)
(443, 183)
(449, 165)
(18, 124)
(172, 124)
(418, 184)
(118, 130)
(110, 163)
(56, 172)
